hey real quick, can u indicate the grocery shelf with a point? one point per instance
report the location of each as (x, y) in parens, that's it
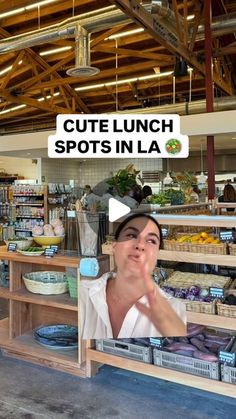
(164, 373)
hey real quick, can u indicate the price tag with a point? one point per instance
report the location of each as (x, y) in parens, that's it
(165, 232)
(227, 357)
(216, 292)
(54, 247)
(49, 253)
(157, 342)
(70, 214)
(12, 247)
(226, 236)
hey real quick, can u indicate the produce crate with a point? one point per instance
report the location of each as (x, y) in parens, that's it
(186, 364)
(227, 310)
(199, 306)
(232, 249)
(125, 349)
(185, 279)
(228, 374)
(216, 249)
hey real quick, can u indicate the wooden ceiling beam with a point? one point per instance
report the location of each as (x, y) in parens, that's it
(33, 103)
(104, 74)
(45, 65)
(178, 23)
(159, 32)
(11, 72)
(134, 53)
(45, 11)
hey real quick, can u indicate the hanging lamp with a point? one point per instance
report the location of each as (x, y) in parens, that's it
(202, 178)
(168, 179)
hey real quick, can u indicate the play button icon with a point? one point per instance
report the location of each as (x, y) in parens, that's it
(117, 209)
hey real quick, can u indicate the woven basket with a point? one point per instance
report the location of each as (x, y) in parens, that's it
(232, 249)
(46, 282)
(185, 279)
(227, 310)
(200, 306)
(72, 285)
(216, 249)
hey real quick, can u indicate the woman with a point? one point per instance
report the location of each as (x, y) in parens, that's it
(128, 303)
(229, 195)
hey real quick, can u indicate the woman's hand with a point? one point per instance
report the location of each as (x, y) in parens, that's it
(160, 312)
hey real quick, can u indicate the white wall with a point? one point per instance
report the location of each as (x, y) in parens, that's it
(21, 167)
(91, 171)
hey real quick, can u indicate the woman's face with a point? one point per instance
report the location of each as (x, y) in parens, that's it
(137, 245)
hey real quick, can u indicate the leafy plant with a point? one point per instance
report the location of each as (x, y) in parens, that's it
(124, 180)
(176, 197)
(186, 180)
(159, 198)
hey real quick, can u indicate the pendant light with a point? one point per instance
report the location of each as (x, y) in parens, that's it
(168, 179)
(202, 178)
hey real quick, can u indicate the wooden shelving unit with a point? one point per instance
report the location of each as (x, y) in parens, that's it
(28, 311)
(30, 200)
(94, 357)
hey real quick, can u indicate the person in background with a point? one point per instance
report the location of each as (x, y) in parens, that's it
(229, 195)
(195, 194)
(89, 198)
(146, 191)
(128, 303)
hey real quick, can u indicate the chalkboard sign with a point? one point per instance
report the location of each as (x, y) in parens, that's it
(226, 236)
(11, 247)
(49, 252)
(216, 292)
(54, 247)
(157, 342)
(227, 357)
(165, 232)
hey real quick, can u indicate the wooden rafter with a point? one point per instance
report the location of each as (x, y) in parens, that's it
(33, 102)
(177, 18)
(11, 72)
(134, 53)
(165, 38)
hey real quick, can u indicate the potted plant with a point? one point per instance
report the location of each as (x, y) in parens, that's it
(124, 180)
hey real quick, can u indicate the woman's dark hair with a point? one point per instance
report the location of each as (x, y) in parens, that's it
(133, 217)
(146, 191)
(229, 193)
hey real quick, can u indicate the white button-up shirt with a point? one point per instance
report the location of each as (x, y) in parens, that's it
(94, 316)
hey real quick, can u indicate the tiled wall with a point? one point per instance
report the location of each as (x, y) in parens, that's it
(91, 171)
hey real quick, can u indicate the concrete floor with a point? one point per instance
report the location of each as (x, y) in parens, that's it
(29, 391)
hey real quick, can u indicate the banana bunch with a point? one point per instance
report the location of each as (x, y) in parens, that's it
(201, 238)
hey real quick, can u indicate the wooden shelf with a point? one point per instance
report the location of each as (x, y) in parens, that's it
(189, 257)
(63, 301)
(201, 258)
(227, 323)
(159, 372)
(26, 348)
(57, 260)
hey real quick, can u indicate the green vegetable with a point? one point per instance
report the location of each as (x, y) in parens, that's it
(173, 146)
